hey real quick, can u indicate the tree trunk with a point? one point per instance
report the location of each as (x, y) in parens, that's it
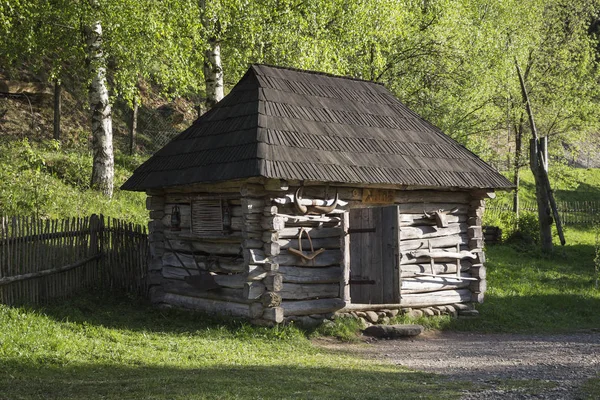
(57, 109)
(133, 127)
(541, 195)
(213, 74)
(536, 165)
(517, 168)
(213, 70)
(102, 142)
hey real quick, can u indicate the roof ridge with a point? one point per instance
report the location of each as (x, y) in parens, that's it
(313, 72)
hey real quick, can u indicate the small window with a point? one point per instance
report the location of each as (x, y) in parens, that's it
(207, 217)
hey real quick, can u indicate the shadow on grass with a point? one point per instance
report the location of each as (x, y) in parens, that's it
(19, 380)
(135, 314)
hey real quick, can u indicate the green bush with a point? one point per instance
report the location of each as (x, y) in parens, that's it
(49, 180)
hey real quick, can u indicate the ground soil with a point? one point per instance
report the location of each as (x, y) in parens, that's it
(497, 366)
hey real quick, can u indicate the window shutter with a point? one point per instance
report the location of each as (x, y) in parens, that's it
(207, 216)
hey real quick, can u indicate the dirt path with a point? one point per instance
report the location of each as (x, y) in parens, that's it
(506, 366)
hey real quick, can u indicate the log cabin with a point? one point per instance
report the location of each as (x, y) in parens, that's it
(306, 195)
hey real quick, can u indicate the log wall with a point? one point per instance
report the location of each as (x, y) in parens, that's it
(259, 278)
(424, 244)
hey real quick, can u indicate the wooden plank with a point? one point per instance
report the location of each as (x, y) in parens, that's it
(345, 265)
(436, 298)
(389, 251)
(356, 291)
(307, 307)
(373, 244)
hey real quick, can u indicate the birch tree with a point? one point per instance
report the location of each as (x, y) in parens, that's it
(103, 168)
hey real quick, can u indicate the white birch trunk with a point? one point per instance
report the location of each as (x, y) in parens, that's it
(102, 141)
(213, 74)
(213, 70)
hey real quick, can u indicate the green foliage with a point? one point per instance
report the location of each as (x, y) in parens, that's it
(50, 181)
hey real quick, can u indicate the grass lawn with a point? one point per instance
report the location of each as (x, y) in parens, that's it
(98, 348)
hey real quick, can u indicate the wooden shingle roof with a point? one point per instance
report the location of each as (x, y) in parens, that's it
(299, 125)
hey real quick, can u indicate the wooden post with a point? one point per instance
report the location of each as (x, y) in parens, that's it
(133, 127)
(57, 108)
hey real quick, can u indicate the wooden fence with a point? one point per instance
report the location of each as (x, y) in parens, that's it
(570, 212)
(45, 259)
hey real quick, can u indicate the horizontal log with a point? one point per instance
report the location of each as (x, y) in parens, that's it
(409, 270)
(436, 298)
(416, 208)
(18, 278)
(430, 196)
(252, 190)
(301, 291)
(425, 284)
(209, 306)
(436, 254)
(427, 232)
(276, 185)
(234, 281)
(420, 219)
(293, 274)
(181, 287)
(214, 264)
(444, 241)
(367, 307)
(253, 244)
(317, 243)
(289, 199)
(315, 233)
(309, 220)
(325, 259)
(307, 307)
(207, 246)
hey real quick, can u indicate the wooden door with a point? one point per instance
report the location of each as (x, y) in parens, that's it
(374, 256)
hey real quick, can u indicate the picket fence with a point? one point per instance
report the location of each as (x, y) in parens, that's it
(570, 212)
(46, 259)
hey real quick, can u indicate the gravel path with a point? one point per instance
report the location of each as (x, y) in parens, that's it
(501, 364)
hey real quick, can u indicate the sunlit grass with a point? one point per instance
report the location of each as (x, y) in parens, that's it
(103, 348)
